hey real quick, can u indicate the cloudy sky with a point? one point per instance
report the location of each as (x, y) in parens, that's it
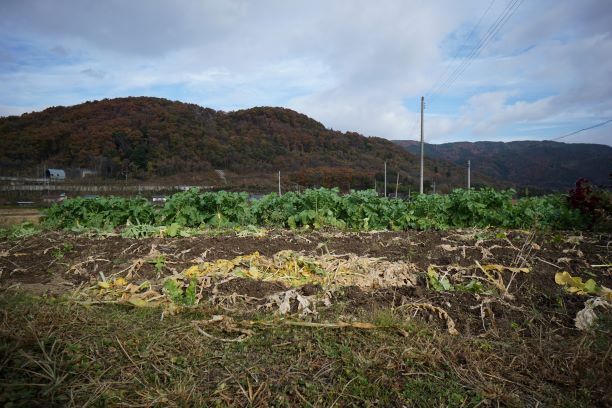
(490, 69)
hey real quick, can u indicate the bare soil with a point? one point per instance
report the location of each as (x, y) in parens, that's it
(78, 259)
(56, 262)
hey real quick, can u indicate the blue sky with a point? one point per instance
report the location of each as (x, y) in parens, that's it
(543, 69)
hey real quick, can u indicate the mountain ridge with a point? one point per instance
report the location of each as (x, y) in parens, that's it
(146, 137)
(547, 165)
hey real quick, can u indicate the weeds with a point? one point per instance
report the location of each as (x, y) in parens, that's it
(47, 367)
(159, 262)
(181, 296)
(58, 253)
(20, 231)
(139, 230)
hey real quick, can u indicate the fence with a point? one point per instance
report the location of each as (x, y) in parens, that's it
(96, 189)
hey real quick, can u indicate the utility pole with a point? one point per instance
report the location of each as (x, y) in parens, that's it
(279, 187)
(385, 178)
(45, 176)
(396, 184)
(422, 143)
(469, 170)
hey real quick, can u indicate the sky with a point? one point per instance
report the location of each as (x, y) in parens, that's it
(497, 70)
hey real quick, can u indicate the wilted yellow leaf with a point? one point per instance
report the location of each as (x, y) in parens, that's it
(120, 282)
(563, 278)
(252, 273)
(501, 268)
(192, 271)
(103, 284)
(138, 302)
(574, 284)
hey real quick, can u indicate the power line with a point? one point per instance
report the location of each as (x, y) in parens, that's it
(446, 81)
(448, 65)
(467, 40)
(439, 83)
(491, 32)
(583, 129)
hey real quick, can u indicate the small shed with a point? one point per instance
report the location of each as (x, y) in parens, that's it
(55, 174)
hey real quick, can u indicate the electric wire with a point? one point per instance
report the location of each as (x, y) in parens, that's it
(491, 32)
(467, 41)
(582, 130)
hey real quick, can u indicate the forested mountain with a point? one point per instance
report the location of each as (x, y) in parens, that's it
(151, 138)
(544, 165)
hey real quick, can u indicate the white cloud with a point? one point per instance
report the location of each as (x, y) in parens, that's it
(353, 65)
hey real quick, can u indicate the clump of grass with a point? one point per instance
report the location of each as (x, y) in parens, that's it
(59, 252)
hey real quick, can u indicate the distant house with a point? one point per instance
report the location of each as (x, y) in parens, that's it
(88, 172)
(54, 198)
(55, 174)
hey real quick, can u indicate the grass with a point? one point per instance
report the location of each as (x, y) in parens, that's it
(14, 216)
(56, 352)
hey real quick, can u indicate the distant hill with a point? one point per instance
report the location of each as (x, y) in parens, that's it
(146, 138)
(543, 165)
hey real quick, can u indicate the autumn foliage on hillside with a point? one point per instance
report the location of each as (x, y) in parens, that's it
(151, 137)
